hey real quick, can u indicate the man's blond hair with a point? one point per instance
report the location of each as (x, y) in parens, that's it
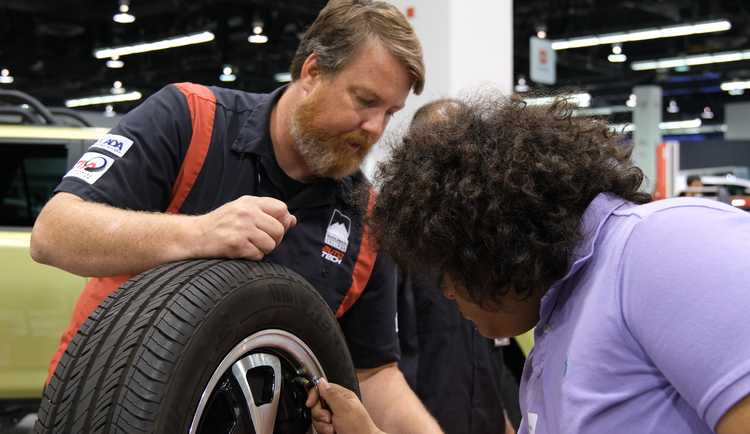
(344, 27)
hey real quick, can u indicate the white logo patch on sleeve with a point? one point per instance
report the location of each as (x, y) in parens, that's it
(91, 167)
(113, 143)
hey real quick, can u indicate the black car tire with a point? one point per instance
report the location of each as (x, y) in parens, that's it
(152, 357)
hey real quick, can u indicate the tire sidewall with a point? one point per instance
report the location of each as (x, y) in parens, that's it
(268, 303)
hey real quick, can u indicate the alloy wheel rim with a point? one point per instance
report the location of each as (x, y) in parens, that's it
(253, 388)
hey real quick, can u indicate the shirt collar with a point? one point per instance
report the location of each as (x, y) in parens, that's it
(603, 205)
(255, 135)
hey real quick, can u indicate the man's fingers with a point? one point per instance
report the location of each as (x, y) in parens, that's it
(278, 210)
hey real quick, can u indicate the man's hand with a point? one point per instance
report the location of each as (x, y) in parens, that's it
(249, 227)
(347, 415)
(96, 240)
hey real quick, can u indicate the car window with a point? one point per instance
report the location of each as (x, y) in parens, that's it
(28, 176)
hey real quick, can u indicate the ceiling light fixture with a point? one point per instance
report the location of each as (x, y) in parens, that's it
(124, 17)
(115, 62)
(227, 74)
(521, 86)
(672, 107)
(707, 113)
(700, 59)
(283, 77)
(694, 123)
(617, 56)
(104, 99)
(733, 85)
(684, 127)
(602, 111)
(581, 99)
(642, 35)
(5, 77)
(631, 102)
(179, 41)
(109, 111)
(622, 128)
(256, 37)
(117, 88)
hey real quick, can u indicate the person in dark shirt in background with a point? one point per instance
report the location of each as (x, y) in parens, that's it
(456, 372)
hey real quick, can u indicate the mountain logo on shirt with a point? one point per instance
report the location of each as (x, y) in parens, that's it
(337, 234)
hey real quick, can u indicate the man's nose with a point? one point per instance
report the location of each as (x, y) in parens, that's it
(374, 125)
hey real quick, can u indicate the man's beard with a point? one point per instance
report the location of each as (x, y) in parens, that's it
(325, 154)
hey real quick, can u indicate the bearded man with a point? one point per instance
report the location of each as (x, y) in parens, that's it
(198, 172)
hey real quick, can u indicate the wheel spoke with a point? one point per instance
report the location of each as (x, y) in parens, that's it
(259, 377)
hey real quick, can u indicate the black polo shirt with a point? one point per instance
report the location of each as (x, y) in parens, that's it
(453, 369)
(139, 161)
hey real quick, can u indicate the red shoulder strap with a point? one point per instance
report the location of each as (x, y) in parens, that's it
(202, 103)
(363, 267)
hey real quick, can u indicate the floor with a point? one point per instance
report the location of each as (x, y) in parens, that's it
(24, 426)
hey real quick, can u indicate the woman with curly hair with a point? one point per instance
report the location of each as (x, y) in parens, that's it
(535, 217)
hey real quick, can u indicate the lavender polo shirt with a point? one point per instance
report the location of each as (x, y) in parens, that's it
(650, 330)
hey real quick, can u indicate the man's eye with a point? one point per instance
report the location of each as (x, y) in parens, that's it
(365, 102)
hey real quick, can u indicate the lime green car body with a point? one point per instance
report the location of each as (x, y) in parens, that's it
(36, 301)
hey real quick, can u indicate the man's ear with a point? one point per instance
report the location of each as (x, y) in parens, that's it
(310, 73)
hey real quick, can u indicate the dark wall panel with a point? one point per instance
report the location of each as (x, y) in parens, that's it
(713, 153)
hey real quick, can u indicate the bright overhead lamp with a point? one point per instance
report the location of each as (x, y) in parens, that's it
(677, 125)
(580, 99)
(707, 113)
(179, 41)
(521, 86)
(602, 111)
(683, 127)
(700, 59)
(104, 99)
(115, 63)
(227, 74)
(124, 17)
(642, 35)
(734, 85)
(622, 128)
(5, 77)
(283, 77)
(117, 88)
(257, 39)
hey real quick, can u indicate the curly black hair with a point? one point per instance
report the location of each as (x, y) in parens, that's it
(492, 194)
